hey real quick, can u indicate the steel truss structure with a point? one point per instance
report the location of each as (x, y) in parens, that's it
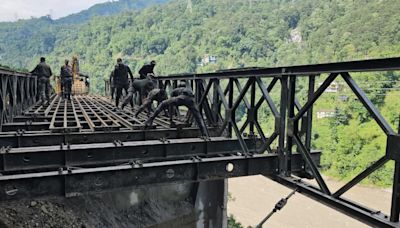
(68, 148)
(293, 122)
(17, 92)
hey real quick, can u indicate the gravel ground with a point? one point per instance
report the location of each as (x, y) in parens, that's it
(125, 209)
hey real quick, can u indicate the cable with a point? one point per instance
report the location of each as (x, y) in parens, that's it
(278, 206)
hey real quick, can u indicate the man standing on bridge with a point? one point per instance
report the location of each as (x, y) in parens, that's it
(43, 72)
(120, 79)
(147, 69)
(181, 96)
(66, 80)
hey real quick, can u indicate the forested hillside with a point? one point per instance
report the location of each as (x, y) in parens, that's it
(241, 33)
(21, 40)
(106, 9)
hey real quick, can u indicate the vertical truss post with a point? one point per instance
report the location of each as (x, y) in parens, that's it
(395, 207)
(252, 111)
(311, 86)
(14, 107)
(215, 102)
(198, 94)
(230, 104)
(292, 125)
(2, 97)
(282, 123)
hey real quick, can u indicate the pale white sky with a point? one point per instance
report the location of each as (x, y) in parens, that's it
(10, 10)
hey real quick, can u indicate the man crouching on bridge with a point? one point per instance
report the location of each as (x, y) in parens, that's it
(158, 95)
(143, 86)
(181, 96)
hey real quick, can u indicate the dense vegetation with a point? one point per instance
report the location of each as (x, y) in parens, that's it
(106, 9)
(241, 33)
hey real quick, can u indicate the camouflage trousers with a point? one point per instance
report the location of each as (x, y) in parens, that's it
(44, 89)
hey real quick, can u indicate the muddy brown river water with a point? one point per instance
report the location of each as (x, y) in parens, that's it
(254, 197)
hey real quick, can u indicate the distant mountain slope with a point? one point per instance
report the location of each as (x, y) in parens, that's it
(20, 40)
(108, 8)
(239, 32)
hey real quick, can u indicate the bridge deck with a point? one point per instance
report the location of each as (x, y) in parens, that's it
(84, 145)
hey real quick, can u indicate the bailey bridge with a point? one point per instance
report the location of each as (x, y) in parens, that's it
(84, 146)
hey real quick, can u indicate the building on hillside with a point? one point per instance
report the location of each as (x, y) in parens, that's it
(295, 36)
(327, 113)
(334, 87)
(208, 59)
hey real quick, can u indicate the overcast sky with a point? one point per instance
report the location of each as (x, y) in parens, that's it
(10, 10)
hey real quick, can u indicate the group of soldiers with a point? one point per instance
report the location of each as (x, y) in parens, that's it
(44, 73)
(146, 87)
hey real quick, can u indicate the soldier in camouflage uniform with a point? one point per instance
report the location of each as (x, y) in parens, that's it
(143, 86)
(120, 79)
(181, 96)
(43, 72)
(66, 80)
(158, 95)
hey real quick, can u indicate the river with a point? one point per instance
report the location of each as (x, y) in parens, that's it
(254, 197)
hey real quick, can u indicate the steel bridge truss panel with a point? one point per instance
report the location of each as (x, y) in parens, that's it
(293, 122)
(72, 182)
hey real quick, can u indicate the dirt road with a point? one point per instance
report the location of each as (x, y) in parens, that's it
(254, 197)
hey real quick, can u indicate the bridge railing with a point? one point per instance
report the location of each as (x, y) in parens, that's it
(17, 92)
(219, 95)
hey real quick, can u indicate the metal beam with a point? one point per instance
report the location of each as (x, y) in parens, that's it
(45, 138)
(386, 64)
(91, 180)
(375, 219)
(373, 111)
(376, 165)
(89, 155)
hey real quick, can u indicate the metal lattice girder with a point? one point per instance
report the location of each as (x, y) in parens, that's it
(96, 154)
(74, 182)
(16, 93)
(386, 64)
(46, 138)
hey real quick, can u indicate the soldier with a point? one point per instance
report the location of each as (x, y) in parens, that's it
(143, 86)
(147, 69)
(180, 96)
(43, 72)
(158, 95)
(66, 80)
(120, 79)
